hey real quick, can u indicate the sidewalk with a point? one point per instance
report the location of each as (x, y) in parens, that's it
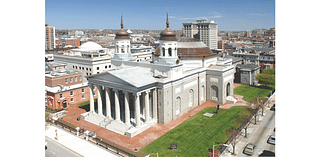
(76, 144)
(250, 131)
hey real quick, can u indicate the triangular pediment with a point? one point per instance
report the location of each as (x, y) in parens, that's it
(132, 77)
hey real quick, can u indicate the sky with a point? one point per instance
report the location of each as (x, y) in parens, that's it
(230, 15)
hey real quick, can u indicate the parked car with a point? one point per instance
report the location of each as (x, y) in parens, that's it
(249, 149)
(272, 139)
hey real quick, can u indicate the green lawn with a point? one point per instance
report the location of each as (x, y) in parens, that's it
(195, 135)
(250, 92)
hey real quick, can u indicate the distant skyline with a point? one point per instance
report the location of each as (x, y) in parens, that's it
(231, 15)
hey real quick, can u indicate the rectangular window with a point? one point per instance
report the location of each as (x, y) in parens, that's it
(71, 93)
(75, 79)
(82, 90)
(80, 77)
(106, 67)
(97, 68)
(71, 79)
(66, 80)
(83, 96)
(71, 99)
(60, 95)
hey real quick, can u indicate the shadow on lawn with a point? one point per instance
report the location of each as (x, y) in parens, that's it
(87, 107)
(264, 87)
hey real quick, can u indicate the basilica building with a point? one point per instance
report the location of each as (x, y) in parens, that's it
(134, 96)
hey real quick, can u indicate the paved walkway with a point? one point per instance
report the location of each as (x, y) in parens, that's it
(76, 144)
(141, 140)
(242, 141)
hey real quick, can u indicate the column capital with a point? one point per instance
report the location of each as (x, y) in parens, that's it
(147, 91)
(115, 90)
(125, 92)
(137, 94)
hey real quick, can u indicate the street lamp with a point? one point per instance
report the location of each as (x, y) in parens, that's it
(217, 145)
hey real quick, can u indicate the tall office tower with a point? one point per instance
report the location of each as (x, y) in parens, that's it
(50, 37)
(203, 30)
(248, 33)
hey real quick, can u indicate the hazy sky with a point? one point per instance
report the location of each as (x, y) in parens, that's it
(151, 14)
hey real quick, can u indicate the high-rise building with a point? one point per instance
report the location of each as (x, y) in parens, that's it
(203, 30)
(50, 37)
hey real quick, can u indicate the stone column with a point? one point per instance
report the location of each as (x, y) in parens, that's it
(154, 103)
(126, 108)
(137, 109)
(108, 106)
(117, 104)
(91, 98)
(99, 92)
(146, 103)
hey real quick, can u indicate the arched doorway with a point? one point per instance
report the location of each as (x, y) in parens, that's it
(228, 89)
(214, 92)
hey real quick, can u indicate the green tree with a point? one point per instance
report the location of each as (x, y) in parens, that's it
(267, 77)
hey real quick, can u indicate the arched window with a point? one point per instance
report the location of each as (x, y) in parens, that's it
(163, 52)
(170, 52)
(191, 97)
(178, 105)
(202, 93)
(228, 89)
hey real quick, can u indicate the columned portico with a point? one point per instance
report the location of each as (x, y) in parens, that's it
(119, 109)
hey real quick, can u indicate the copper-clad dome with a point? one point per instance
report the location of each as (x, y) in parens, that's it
(122, 34)
(168, 34)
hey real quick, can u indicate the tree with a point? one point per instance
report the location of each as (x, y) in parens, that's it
(267, 77)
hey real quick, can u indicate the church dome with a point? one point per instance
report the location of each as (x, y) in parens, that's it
(122, 34)
(90, 45)
(168, 34)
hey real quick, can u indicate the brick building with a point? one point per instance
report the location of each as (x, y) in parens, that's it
(65, 88)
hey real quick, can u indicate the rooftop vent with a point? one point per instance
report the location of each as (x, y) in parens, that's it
(62, 70)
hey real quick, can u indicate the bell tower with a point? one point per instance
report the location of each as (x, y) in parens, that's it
(168, 47)
(122, 43)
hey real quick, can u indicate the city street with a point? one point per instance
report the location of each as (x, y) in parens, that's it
(261, 135)
(55, 149)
